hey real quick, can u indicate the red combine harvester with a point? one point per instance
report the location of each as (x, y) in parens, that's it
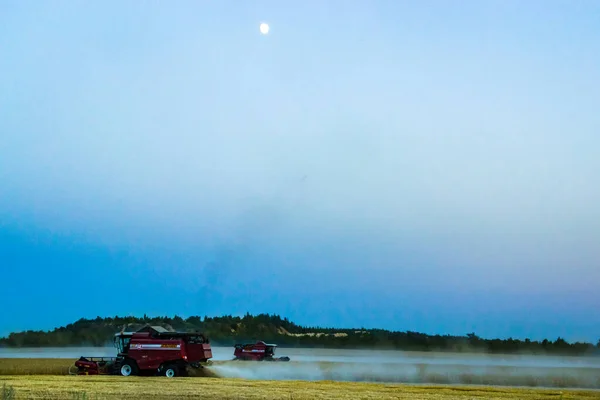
(149, 351)
(259, 351)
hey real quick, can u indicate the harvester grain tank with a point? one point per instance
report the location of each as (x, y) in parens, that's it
(149, 351)
(259, 351)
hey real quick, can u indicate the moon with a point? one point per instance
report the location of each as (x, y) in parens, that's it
(264, 28)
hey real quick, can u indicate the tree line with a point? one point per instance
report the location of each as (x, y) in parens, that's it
(228, 330)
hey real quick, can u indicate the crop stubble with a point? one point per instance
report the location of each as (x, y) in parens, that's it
(115, 387)
(45, 379)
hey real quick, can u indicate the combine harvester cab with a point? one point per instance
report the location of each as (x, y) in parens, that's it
(259, 351)
(151, 350)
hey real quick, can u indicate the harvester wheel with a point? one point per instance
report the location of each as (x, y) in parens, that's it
(171, 371)
(128, 368)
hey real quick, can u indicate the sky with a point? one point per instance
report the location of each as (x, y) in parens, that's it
(421, 166)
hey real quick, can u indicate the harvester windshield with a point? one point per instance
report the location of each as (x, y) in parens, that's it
(270, 351)
(122, 343)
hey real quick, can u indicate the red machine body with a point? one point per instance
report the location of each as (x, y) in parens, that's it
(259, 351)
(148, 351)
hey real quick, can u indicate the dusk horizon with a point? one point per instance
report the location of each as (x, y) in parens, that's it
(404, 166)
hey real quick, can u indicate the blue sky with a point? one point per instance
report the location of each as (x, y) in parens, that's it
(405, 165)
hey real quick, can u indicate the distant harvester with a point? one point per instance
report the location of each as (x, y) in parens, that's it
(259, 351)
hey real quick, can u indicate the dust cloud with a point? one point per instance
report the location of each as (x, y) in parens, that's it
(552, 377)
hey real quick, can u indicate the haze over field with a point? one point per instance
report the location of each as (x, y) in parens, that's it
(381, 164)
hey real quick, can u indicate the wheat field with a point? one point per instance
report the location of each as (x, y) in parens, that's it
(35, 366)
(49, 379)
(116, 387)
